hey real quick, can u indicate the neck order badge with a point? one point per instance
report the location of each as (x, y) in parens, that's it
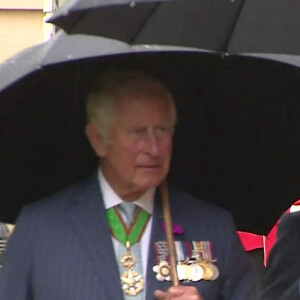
(132, 282)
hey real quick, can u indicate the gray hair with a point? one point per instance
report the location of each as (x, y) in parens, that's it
(101, 101)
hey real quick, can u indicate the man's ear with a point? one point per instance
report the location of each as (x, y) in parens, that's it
(96, 140)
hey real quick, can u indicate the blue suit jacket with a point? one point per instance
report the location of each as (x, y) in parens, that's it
(61, 249)
(283, 273)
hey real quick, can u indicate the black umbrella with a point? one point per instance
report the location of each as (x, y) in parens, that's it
(234, 26)
(236, 143)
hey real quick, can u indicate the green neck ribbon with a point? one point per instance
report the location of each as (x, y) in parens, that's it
(119, 229)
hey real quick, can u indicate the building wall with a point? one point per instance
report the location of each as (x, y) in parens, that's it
(22, 25)
(22, 4)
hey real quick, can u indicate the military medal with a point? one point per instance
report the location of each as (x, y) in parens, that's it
(163, 271)
(197, 272)
(202, 253)
(132, 282)
(184, 272)
(2, 249)
(211, 272)
(195, 261)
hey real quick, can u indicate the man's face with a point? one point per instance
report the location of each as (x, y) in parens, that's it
(138, 155)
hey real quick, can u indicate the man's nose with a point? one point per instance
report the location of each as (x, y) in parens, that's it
(152, 144)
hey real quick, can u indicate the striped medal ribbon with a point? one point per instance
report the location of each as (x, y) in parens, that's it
(195, 261)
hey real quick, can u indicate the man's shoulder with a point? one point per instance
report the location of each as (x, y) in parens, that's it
(290, 221)
(189, 202)
(56, 202)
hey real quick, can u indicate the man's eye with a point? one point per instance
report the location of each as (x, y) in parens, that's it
(163, 129)
(138, 131)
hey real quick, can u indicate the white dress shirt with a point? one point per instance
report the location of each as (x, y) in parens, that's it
(146, 202)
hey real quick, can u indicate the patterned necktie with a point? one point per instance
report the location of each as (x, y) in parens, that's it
(128, 211)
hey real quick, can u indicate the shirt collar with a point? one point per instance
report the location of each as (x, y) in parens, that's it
(110, 198)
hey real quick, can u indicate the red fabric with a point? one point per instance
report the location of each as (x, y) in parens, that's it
(252, 241)
(270, 241)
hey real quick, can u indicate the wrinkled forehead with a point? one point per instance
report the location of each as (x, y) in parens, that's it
(133, 99)
(146, 98)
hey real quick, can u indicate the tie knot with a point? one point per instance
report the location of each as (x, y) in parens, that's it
(129, 211)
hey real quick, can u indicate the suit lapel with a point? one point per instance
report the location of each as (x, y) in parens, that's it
(87, 216)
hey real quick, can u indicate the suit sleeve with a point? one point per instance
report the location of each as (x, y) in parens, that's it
(293, 292)
(15, 272)
(283, 273)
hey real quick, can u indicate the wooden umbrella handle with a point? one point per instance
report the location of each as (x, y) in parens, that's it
(169, 232)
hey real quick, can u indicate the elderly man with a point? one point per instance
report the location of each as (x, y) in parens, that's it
(103, 238)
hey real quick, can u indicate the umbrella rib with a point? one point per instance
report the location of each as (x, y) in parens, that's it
(76, 20)
(233, 27)
(144, 23)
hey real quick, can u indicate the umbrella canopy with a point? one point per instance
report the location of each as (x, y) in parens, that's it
(236, 142)
(221, 25)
